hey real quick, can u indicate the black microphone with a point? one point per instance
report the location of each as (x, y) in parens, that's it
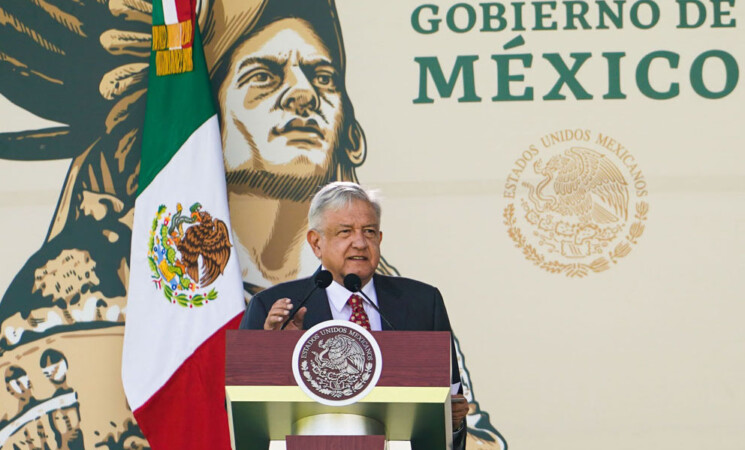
(322, 280)
(353, 283)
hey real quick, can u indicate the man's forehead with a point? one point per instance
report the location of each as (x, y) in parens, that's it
(355, 214)
(283, 38)
(351, 224)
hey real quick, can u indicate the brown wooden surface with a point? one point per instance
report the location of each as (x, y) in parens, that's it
(410, 358)
(335, 442)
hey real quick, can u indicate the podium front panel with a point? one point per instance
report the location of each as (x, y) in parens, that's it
(411, 399)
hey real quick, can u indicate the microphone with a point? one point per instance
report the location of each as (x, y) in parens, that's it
(322, 280)
(353, 283)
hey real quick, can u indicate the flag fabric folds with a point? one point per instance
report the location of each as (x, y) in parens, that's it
(185, 284)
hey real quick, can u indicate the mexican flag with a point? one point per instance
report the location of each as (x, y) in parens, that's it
(185, 285)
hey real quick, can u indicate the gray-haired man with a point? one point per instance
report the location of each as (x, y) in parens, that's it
(344, 222)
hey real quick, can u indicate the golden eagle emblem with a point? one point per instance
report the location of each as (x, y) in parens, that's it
(580, 203)
(577, 210)
(585, 184)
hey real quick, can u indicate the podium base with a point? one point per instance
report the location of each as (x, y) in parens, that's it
(336, 443)
(337, 424)
(391, 445)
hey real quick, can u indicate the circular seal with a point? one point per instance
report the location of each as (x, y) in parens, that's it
(576, 202)
(337, 362)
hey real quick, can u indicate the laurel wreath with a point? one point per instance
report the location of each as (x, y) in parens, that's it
(577, 270)
(350, 385)
(184, 300)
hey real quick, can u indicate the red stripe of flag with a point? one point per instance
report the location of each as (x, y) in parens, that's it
(185, 10)
(198, 386)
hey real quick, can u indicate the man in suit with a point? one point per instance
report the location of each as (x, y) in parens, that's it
(344, 222)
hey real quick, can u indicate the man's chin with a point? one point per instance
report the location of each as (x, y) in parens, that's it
(365, 274)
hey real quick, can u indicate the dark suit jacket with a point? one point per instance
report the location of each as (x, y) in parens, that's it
(408, 304)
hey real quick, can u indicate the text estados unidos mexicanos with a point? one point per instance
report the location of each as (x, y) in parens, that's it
(658, 74)
(609, 144)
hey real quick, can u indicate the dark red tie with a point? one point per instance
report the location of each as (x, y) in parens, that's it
(359, 316)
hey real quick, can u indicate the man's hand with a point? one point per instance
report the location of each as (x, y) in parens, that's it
(278, 314)
(460, 409)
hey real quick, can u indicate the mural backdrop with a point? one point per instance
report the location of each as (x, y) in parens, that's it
(566, 172)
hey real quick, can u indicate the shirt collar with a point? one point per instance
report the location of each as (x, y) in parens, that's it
(338, 294)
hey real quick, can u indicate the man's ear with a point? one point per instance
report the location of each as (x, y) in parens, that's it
(356, 149)
(314, 238)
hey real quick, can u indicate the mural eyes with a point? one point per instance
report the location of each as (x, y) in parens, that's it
(259, 77)
(325, 79)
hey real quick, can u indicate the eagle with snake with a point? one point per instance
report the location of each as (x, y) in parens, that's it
(585, 185)
(209, 239)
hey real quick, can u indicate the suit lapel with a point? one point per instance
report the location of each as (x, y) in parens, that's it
(391, 305)
(318, 308)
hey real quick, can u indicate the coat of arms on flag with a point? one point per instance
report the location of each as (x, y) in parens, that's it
(181, 244)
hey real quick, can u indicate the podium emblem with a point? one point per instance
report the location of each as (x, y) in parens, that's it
(337, 362)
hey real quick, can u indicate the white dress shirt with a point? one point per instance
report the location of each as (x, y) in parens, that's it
(340, 309)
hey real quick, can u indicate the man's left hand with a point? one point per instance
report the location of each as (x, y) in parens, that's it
(460, 409)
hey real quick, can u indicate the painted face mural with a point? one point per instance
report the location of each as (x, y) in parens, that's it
(281, 107)
(288, 126)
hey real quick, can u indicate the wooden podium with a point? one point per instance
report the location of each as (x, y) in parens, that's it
(411, 401)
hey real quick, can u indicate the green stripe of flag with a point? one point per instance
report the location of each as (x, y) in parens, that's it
(158, 17)
(176, 106)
